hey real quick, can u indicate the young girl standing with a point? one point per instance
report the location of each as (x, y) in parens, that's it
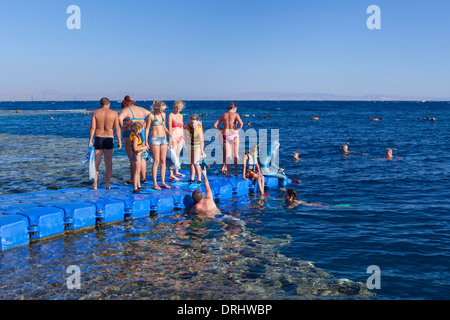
(175, 123)
(138, 147)
(196, 145)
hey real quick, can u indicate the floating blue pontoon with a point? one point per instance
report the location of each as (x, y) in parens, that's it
(34, 216)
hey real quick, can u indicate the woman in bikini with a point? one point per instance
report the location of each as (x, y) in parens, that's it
(175, 123)
(132, 113)
(196, 145)
(230, 133)
(158, 142)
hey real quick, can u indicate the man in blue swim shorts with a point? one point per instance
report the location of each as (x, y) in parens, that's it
(104, 122)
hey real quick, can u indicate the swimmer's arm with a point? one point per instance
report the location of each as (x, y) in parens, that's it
(208, 193)
(307, 203)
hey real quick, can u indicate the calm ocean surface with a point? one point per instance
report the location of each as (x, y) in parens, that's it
(397, 215)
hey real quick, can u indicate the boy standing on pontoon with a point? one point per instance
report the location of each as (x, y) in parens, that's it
(104, 122)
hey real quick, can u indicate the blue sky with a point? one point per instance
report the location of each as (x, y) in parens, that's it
(208, 48)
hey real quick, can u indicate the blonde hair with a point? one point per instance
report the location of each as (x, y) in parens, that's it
(179, 104)
(159, 105)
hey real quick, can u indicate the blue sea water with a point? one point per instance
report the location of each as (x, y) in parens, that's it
(396, 215)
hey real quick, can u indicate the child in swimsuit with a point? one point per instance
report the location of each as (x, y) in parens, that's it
(138, 147)
(176, 129)
(196, 145)
(251, 169)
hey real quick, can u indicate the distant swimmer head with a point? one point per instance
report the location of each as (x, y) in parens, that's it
(127, 102)
(345, 147)
(389, 152)
(158, 105)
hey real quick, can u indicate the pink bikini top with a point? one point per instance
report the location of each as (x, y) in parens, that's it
(176, 124)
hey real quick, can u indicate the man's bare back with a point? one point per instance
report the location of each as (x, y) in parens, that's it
(104, 120)
(104, 123)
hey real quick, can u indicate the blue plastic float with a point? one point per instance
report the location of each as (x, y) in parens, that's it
(34, 216)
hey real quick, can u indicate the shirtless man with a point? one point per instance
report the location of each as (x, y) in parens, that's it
(204, 206)
(103, 124)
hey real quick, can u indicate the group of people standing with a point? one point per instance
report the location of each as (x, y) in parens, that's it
(145, 130)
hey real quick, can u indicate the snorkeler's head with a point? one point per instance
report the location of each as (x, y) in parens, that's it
(291, 195)
(254, 149)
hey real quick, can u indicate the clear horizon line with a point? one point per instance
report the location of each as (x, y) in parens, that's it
(268, 99)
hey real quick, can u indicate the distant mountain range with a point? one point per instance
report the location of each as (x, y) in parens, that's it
(54, 95)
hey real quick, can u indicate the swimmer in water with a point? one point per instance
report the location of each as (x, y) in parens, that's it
(296, 156)
(345, 150)
(204, 205)
(291, 198)
(389, 155)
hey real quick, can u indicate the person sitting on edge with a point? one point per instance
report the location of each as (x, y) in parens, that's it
(204, 205)
(251, 169)
(104, 122)
(291, 197)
